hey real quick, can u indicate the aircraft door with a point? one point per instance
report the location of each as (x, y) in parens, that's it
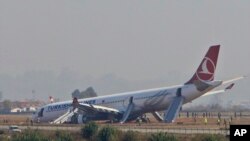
(40, 114)
(178, 92)
(128, 101)
(131, 99)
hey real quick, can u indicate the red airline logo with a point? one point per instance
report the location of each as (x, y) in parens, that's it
(206, 70)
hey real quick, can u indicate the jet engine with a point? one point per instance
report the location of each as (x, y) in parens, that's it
(78, 119)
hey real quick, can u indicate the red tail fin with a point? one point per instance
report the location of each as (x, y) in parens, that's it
(206, 70)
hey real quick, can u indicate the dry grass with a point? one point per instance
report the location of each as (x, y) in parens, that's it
(14, 119)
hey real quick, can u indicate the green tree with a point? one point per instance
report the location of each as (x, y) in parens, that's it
(7, 105)
(1, 95)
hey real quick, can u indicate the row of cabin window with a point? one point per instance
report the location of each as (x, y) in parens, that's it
(117, 101)
(135, 98)
(150, 96)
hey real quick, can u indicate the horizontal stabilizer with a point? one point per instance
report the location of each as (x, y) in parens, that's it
(214, 92)
(232, 80)
(229, 87)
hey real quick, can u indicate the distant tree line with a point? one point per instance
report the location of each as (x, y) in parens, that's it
(89, 92)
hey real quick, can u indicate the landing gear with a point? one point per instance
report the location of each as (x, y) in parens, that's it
(143, 119)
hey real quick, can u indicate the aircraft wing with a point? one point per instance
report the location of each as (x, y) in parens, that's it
(91, 108)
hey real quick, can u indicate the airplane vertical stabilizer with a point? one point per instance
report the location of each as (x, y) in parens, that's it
(206, 69)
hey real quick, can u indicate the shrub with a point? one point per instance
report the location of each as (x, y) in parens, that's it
(209, 137)
(89, 130)
(162, 137)
(63, 136)
(131, 136)
(108, 134)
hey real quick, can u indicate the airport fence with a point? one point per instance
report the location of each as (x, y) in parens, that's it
(148, 129)
(142, 129)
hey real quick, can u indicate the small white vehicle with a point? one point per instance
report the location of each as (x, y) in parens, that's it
(14, 128)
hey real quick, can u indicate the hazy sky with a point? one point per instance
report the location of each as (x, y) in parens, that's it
(140, 41)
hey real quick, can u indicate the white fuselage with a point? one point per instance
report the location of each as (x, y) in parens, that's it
(145, 101)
